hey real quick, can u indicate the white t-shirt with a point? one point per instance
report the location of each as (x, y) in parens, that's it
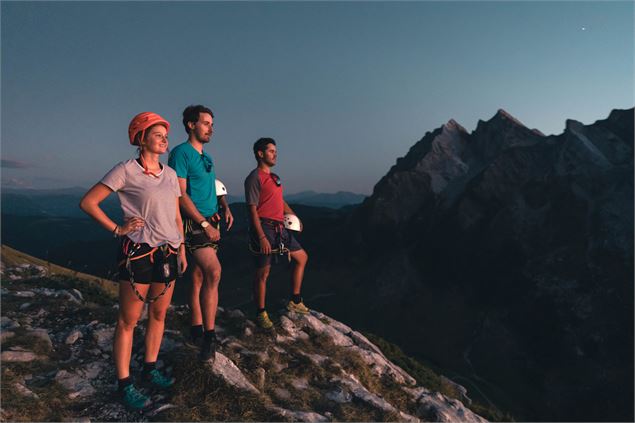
(152, 199)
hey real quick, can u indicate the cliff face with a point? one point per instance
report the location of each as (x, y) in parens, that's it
(517, 249)
(57, 364)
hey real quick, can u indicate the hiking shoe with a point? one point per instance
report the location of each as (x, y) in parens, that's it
(298, 308)
(133, 399)
(155, 379)
(263, 321)
(208, 350)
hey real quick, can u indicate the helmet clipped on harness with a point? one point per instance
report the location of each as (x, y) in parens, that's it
(220, 188)
(292, 222)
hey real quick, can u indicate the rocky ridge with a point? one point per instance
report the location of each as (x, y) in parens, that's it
(514, 239)
(57, 357)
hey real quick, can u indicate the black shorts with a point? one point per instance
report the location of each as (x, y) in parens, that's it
(195, 236)
(278, 236)
(147, 264)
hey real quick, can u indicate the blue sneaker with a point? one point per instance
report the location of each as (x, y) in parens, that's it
(133, 399)
(155, 379)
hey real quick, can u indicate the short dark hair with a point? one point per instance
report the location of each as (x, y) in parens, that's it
(191, 114)
(261, 145)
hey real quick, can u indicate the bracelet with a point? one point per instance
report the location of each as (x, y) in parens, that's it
(115, 232)
(262, 237)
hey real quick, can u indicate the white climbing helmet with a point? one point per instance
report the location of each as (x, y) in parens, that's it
(292, 222)
(220, 188)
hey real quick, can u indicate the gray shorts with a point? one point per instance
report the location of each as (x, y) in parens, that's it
(279, 237)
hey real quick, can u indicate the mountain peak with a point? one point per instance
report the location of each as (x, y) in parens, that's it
(453, 125)
(502, 114)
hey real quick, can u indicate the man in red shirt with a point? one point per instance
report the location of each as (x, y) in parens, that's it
(268, 235)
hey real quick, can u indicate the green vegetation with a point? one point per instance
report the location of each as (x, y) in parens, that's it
(11, 257)
(427, 378)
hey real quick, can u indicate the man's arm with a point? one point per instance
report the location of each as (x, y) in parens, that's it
(229, 217)
(287, 209)
(187, 205)
(265, 246)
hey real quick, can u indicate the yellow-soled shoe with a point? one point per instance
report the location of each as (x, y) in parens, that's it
(298, 308)
(263, 321)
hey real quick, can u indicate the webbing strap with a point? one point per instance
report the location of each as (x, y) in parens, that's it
(167, 251)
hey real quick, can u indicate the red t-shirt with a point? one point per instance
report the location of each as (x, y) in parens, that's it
(264, 190)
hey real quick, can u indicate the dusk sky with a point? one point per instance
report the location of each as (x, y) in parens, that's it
(345, 88)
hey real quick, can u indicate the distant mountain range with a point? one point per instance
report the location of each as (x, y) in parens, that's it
(64, 202)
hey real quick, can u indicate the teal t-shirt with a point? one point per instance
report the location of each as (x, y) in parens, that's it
(198, 169)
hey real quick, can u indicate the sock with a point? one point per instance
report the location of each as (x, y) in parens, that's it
(296, 298)
(148, 367)
(124, 382)
(260, 310)
(196, 331)
(210, 335)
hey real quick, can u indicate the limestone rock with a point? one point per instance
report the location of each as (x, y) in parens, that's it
(24, 294)
(282, 394)
(359, 391)
(73, 337)
(339, 395)
(20, 356)
(291, 328)
(318, 327)
(298, 416)
(43, 335)
(236, 314)
(260, 378)
(104, 338)
(300, 383)
(433, 406)
(230, 373)
(79, 382)
(25, 392)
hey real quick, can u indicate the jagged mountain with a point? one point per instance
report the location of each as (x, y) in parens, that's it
(57, 335)
(514, 252)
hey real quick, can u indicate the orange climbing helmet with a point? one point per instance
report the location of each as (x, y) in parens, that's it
(143, 121)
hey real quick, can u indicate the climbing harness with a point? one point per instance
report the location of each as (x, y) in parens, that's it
(131, 248)
(281, 249)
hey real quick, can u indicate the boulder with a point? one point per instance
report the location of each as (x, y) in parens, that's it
(104, 338)
(231, 374)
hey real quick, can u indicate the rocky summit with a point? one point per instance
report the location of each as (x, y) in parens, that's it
(513, 250)
(57, 333)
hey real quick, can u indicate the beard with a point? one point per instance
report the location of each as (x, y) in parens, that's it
(270, 163)
(202, 138)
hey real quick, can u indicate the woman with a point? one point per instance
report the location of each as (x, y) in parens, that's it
(152, 238)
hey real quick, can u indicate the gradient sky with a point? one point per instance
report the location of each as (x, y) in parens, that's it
(344, 87)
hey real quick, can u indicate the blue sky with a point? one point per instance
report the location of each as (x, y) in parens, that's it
(344, 87)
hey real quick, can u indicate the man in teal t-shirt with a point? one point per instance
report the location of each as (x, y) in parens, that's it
(197, 180)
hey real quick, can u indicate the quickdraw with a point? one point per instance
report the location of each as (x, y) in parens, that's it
(129, 250)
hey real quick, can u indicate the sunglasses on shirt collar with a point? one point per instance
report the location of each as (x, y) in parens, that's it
(207, 163)
(276, 179)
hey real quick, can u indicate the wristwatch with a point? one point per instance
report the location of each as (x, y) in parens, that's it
(204, 224)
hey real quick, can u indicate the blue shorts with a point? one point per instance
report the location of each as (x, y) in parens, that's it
(279, 237)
